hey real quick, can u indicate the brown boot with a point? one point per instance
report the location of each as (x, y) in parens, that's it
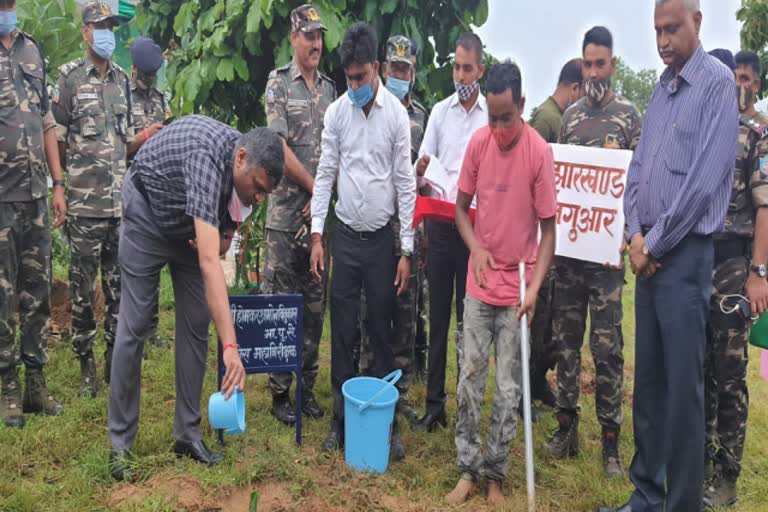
(611, 454)
(37, 398)
(10, 405)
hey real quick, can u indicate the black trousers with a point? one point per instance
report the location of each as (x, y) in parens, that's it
(671, 310)
(361, 259)
(447, 260)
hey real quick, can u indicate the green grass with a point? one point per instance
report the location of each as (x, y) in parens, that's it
(60, 464)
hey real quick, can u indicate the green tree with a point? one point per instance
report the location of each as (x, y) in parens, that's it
(221, 51)
(53, 24)
(636, 86)
(754, 32)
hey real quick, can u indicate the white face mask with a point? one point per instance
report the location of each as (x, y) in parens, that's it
(238, 212)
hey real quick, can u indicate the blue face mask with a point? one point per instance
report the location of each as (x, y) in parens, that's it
(399, 88)
(103, 43)
(362, 96)
(7, 22)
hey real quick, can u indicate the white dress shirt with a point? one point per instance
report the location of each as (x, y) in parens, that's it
(370, 158)
(448, 132)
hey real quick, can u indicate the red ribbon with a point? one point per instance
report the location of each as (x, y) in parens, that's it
(438, 210)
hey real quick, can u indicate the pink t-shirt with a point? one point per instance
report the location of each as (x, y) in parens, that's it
(515, 189)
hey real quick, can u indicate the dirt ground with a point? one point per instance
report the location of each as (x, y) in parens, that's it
(61, 308)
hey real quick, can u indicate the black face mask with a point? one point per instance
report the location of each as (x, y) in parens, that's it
(144, 81)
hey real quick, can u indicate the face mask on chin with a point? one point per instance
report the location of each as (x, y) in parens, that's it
(746, 97)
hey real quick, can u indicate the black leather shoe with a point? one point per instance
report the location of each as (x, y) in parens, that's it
(430, 421)
(335, 439)
(197, 451)
(283, 410)
(120, 465)
(623, 508)
(311, 408)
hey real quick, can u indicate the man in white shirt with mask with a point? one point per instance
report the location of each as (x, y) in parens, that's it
(366, 149)
(451, 125)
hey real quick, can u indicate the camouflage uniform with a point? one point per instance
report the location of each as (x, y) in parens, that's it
(582, 285)
(725, 365)
(297, 114)
(148, 108)
(406, 308)
(25, 242)
(94, 123)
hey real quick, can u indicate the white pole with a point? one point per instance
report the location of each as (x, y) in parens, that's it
(525, 354)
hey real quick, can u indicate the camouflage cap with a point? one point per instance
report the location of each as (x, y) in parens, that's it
(96, 12)
(399, 49)
(306, 19)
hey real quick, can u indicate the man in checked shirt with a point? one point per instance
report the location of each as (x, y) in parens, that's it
(188, 186)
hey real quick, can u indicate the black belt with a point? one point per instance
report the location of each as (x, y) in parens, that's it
(136, 179)
(364, 235)
(732, 247)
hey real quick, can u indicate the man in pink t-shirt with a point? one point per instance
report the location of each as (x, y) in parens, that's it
(509, 168)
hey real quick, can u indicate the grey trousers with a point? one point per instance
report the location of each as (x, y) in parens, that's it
(486, 325)
(143, 253)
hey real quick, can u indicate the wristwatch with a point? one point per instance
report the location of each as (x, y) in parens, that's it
(57, 183)
(760, 270)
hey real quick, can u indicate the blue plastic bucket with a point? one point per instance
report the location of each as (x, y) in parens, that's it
(227, 415)
(369, 410)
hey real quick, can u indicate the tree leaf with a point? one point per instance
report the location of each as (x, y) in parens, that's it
(254, 18)
(192, 81)
(481, 13)
(388, 6)
(225, 71)
(241, 66)
(234, 8)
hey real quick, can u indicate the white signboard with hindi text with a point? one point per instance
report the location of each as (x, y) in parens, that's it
(590, 184)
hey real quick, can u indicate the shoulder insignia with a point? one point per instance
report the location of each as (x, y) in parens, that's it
(270, 96)
(764, 167)
(756, 125)
(69, 67)
(329, 79)
(56, 94)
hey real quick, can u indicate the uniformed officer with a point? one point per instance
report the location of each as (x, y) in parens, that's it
(27, 143)
(601, 119)
(741, 255)
(399, 73)
(149, 110)
(296, 98)
(91, 104)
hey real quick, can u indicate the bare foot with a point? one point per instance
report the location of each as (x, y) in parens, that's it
(461, 492)
(495, 496)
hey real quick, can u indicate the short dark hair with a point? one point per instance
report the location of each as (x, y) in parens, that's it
(265, 149)
(748, 58)
(599, 36)
(503, 76)
(359, 46)
(571, 73)
(471, 42)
